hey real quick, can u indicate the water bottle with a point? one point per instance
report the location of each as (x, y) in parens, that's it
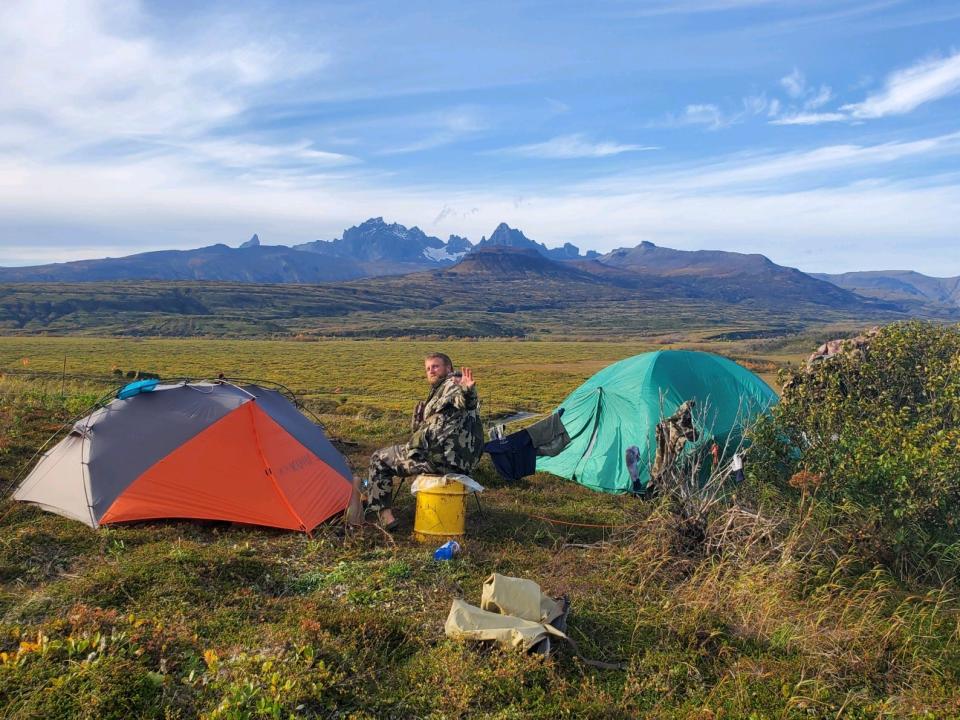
(447, 550)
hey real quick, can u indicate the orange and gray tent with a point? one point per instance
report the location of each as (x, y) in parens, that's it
(213, 451)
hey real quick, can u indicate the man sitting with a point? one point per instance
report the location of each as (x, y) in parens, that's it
(447, 437)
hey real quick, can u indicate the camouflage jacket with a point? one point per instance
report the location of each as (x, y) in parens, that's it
(447, 431)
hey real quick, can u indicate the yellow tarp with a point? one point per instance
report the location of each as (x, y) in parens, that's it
(513, 612)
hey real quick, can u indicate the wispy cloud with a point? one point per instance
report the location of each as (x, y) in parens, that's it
(693, 7)
(714, 117)
(756, 104)
(437, 129)
(569, 147)
(904, 91)
(772, 173)
(556, 106)
(240, 154)
(79, 75)
(703, 114)
(795, 84)
(907, 89)
(819, 98)
(802, 93)
(803, 118)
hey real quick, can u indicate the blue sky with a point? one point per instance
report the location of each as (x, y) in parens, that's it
(825, 135)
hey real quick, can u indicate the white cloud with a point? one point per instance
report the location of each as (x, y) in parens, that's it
(240, 154)
(568, 147)
(439, 128)
(795, 84)
(76, 75)
(818, 99)
(904, 91)
(803, 96)
(911, 87)
(755, 104)
(707, 114)
(653, 8)
(704, 114)
(714, 117)
(735, 172)
(810, 118)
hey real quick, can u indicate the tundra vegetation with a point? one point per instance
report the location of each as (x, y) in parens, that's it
(823, 586)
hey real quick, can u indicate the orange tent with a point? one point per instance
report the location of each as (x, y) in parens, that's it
(194, 450)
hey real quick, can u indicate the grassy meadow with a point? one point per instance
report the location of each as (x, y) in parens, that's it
(188, 619)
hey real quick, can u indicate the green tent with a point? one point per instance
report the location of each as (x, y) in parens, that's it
(620, 407)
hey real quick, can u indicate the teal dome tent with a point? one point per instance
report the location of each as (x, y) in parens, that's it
(620, 407)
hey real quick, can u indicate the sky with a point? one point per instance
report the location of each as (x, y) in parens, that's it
(824, 134)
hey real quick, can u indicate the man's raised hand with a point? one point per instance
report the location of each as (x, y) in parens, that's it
(466, 380)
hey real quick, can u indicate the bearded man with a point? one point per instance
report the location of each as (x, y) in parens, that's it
(447, 437)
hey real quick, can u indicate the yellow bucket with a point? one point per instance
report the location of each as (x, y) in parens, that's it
(441, 511)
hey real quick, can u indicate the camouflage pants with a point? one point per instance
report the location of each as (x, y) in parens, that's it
(386, 464)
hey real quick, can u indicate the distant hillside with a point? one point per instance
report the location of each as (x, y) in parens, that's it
(492, 292)
(900, 285)
(729, 276)
(493, 261)
(253, 263)
(521, 278)
(653, 260)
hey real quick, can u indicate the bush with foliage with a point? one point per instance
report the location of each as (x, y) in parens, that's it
(878, 428)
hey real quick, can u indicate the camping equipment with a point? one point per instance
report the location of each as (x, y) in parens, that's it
(513, 612)
(515, 456)
(620, 407)
(204, 450)
(441, 507)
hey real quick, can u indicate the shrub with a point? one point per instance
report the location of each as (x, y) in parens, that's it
(879, 429)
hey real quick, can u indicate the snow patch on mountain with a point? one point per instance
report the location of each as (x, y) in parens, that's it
(441, 255)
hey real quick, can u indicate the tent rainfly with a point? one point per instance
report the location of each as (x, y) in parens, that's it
(620, 407)
(202, 450)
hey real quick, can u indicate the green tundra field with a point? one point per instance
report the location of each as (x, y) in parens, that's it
(198, 619)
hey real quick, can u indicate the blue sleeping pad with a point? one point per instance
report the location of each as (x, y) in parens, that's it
(137, 387)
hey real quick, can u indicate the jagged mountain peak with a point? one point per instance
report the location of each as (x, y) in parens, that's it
(252, 242)
(457, 244)
(392, 247)
(506, 236)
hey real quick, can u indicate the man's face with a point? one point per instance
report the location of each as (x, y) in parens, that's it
(435, 368)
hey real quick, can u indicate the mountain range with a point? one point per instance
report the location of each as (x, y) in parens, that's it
(903, 286)
(389, 275)
(372, 249)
